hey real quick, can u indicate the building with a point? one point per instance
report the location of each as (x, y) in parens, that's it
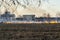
(7, 16)
(19, 19)
(39, 19)
(47, 19)
(28, 17)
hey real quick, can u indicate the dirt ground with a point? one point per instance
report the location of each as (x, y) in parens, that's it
(30, 31)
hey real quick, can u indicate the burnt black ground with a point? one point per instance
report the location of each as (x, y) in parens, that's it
(30, 31)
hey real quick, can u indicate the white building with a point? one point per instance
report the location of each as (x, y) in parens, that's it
(7, 16)
(28, 17)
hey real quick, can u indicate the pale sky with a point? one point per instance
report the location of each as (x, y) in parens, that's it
(51, 6)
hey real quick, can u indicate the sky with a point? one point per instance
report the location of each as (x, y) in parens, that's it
(51, 6)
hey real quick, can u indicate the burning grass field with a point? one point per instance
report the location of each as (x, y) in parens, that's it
(33, 31)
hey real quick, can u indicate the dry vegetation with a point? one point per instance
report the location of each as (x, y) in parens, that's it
(30, 31)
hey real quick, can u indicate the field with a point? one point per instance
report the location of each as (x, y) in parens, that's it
(30, 31)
